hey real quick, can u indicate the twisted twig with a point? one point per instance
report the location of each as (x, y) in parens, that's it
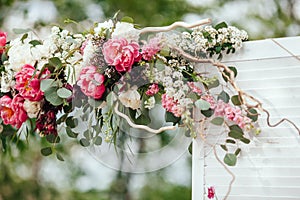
(173, 26)
(138, 126)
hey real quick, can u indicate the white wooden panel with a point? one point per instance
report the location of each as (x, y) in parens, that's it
(268, 168)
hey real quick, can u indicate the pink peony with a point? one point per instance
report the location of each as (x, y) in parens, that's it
(3, 36)
(150, 49)
(28, 83)
(12, 111)
(91, 82)
(152, 90)
(121, 54)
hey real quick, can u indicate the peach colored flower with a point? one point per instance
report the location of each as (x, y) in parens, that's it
(121, 54)
(91, 82)
(12, 111)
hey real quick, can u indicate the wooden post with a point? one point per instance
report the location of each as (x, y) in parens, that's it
(197, 170)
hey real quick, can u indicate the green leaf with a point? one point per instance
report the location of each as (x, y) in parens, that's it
(237, 152)
(47, 83)
(233, 69)
(230, 159)
(20, 30)
(218, 49)
(94, 103)
(59, 157)
(88, 134)
(213, 84)
(224, 96)
(84, 142)
(35, 42)
(235, 128)
(253, 115)
(235, 134)
(71, 122)
(52, 97)
(53, 138)
(98, 140)
(55, 62)
(171, 118)
(70, 133)
(143, 119)
(236, 100)
(224, 147)
(127, 19)
(46, 151)
(245, 140)
(221, 25)
(160, 65)
(24, 37)
(202, 104)
(190, 149)
(217, 121)
(64, 93)
(207, 113)
(230, 141)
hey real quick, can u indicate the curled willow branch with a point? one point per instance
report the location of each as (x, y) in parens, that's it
(242, 94)
(138, 126)
(173, 26)
(279, 122)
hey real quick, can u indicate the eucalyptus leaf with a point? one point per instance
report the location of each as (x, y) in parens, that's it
(71, 133)
(98, 140)
(236, 128)
(207, 113)
(52, 97)
(245, 140)
(47, 83)
(53, 138)
(237, 152)
(55, 62)
(202, 104)
(64, 93)
(59, 157)
(236, 100)
(252, 114)
(84, 142)
(71, 122)
(46, 151)
(224, 147)
(21, 31)
(233, 69)
(217, 121)
(35, 42)
(230, 159)
(235, 134)
(224, 96)
(230, 141)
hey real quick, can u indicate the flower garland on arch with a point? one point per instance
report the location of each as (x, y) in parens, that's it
(119, 73)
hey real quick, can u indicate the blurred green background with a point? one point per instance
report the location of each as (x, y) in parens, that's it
(27, 175)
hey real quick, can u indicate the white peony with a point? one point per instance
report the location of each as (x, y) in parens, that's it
(126, 30)
(131, 98)
(32, 108)
(7, 81)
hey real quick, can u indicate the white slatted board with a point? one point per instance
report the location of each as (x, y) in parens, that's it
(271, 167)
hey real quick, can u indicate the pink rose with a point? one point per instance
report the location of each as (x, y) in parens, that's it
(28, 83)
(121, 54)
(12, 111)
(3, 36)
(91, 82)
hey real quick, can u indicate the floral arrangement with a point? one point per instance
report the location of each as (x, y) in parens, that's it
(115, 73)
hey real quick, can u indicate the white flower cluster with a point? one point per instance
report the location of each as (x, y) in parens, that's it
(174, 85)
(59, 44)
(203, 38)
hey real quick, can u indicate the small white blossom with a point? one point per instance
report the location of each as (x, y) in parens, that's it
(150, 103)
(7, 81)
